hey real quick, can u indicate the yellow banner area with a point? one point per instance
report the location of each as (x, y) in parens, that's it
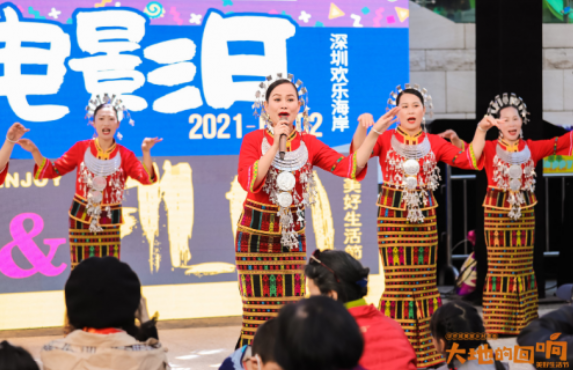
(558, 164)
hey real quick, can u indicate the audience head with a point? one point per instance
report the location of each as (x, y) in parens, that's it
(336, 274)
(15, 358)
(457, 317)
(317, 333)
(105, 293)
(263, 348)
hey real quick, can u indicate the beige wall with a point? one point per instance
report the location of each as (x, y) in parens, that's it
(442, 59)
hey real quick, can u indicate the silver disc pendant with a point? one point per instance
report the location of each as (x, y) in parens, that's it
(95, 196)
(411, 183)
(99, 183)
(515, 184)
(411, 167)
(284, 200)
(286, 181)
(515, 171)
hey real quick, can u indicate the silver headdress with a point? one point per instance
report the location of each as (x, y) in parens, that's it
(116, 103)
(508, 100)
(259, 107)
(427, 98)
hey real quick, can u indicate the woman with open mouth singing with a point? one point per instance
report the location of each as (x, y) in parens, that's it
(270, 246)
(102, 168)
(407, 227)
(510, 292)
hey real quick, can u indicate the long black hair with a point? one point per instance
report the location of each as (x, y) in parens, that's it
(412, 92)
(16, 358)
(278, 83)
(352, 276)
(317, 333)
(455, 318)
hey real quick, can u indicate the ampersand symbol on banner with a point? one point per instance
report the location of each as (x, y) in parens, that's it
(24, 241)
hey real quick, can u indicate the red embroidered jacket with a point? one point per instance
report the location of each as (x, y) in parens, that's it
(443, 151)
(74, 157)
(319, 154)
(4, 173)
(385, 343)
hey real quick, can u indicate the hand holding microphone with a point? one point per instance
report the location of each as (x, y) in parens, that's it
(283, 137)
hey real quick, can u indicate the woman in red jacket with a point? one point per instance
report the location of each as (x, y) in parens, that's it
(510, 290)
(15, 132)
(102, 168)
(338, 275)
(270, 246)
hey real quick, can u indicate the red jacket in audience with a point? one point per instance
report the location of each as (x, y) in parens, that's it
(385, 344)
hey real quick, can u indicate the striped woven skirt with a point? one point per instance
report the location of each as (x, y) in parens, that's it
(510, 291)
(270, 275)
(85, 244)
(409, 254)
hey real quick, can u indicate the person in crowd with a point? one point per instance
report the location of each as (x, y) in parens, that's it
(340, 276)
(15, 133)
(318, 333)
(461, 318)
(259, 356)
(16, 358)
(102, 296)
(555, 331)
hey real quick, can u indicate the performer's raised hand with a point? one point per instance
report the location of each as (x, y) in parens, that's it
(386, 120)
(488, 122)
(453, 137)
(28, 145)
(365, 120)
(16, 131)
(148, 143)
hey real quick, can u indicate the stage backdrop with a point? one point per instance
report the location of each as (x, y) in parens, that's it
(188, 72)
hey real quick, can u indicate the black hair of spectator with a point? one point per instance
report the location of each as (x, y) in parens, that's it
(350, 272)
(16, 358)
(317, 333)
(459, 317)
(265, 340)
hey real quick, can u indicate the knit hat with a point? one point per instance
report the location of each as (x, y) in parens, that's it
(102, 293)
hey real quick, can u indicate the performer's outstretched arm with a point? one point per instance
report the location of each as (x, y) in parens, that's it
(364, 152)
(15, 132)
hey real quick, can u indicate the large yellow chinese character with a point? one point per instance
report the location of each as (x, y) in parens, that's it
(456, 352)
(353, 219)
(556, 348)
(352, 186)
(484, 355)
(355, 251)
(351, 201)
(353, 236)
(523, 355)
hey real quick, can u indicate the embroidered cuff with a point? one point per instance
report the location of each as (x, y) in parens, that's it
(473, 156)
(555, 146)
(254, 173)
(353, 167)
(464, 145)
(40, 169)
(151, 176)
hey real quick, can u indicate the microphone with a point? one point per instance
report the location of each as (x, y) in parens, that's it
(282, 141)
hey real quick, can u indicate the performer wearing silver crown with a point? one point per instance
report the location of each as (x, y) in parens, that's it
(270, 244)
(102, 167)
(510, 292)
(407, 232)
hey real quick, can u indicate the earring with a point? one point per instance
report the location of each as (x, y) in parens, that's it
(521, 134)
(424, 124)
(500, 134)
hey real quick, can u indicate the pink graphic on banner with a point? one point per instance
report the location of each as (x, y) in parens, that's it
(24, 241)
